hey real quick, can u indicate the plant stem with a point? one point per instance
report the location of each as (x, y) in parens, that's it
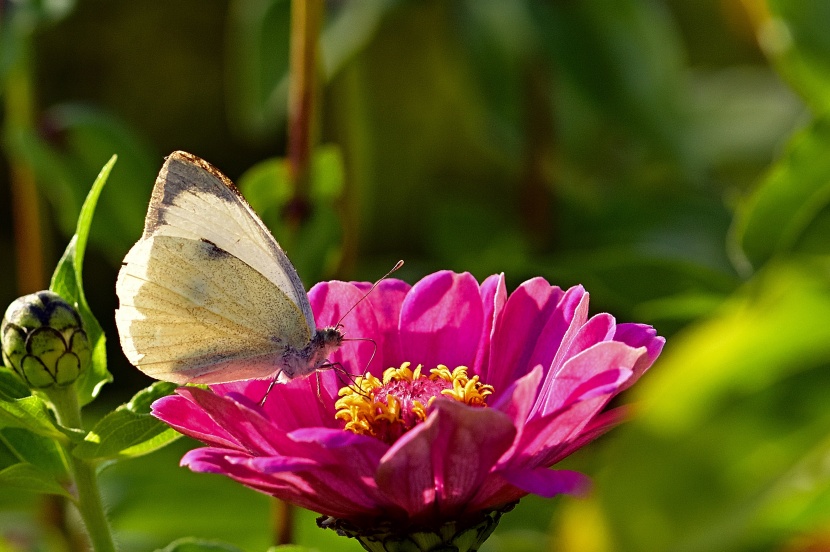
(19, 112)
(306, 18)
(89, 503)
(91, 506)
(283, 518)
(349, 125)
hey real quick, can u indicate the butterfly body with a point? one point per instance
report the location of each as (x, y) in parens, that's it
(207, 295)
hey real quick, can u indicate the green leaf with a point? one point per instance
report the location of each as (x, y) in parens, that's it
(11, 386)
(315, 248)
(142, 401)
(21, 445)
(780, 214)
(798, 499)
(67, 281)
(190, 544)
(796, 39)
(29, 413)
(67, 158)
(129, 430)
(26, 477)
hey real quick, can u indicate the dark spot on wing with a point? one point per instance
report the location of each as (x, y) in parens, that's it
(212, 251)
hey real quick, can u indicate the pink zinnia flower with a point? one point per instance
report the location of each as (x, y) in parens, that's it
(414, 450)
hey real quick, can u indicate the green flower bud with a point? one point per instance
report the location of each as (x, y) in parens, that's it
(44, 341)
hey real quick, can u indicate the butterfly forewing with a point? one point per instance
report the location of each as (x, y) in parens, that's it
(191, 199)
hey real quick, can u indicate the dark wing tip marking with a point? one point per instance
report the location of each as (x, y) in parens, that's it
(184, 172)
(194, 160)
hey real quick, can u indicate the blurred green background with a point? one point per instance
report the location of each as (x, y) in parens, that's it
(672, 156)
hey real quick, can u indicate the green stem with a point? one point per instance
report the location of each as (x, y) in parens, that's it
(89, 503)
(306, 18)
(91, 506)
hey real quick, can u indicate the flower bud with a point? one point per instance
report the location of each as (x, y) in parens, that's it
(44, 341)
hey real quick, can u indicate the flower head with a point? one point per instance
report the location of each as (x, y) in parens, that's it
(461, 405)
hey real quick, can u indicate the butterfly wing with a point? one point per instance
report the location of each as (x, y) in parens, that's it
(207, 295)
(192, 199)
(192, 312)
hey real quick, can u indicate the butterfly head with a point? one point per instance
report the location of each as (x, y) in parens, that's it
(327, 340)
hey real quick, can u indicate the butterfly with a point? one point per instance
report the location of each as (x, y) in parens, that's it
(207, 295)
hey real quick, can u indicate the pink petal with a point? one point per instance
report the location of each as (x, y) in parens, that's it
(208, 459)
(525, 314)
(553, 431)
(438, 466)
(494, 491)
(254, 389)
(305, 488)
(608, 355)
(304, 402)
(342, 447)
(597, 329)
(599, 425)
(269, 465)
(493, 298)
(441, 320)
(517, 400)
(185, 416)
(548, 483)
(555, 338)
(641, 335)
(386, 301)
(347, 461)
(330, 301)
(231, 416)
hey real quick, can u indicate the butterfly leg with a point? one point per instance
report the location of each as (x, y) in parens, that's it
(270, 386)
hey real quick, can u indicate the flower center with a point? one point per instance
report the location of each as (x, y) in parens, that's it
(388, 408)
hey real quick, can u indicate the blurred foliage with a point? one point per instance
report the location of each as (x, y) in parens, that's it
(671, 156)
(267, 188)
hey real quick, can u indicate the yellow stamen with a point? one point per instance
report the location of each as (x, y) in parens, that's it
(388, 407)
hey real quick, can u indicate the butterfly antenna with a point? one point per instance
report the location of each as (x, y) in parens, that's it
(371, 289)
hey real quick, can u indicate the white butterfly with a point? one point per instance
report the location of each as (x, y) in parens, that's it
(207, 295)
